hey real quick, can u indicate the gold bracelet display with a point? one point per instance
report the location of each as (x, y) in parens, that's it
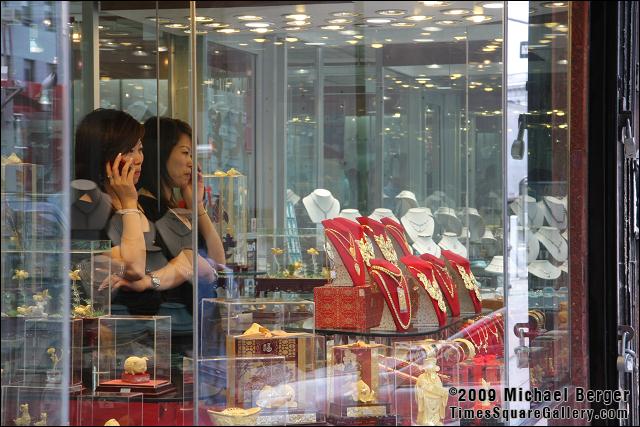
(472, 350)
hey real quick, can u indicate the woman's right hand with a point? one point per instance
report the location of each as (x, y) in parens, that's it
(121, 181)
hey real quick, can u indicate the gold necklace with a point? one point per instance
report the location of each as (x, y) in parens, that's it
(403, 239)
(481, 345)
(494, 332)
(351, 249)
(440, 271)
(432, 289)
(374, 270)
(386, 247)
(468, 279)
(366, 249)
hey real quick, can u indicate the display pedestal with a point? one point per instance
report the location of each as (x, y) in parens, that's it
(361, 414)
(153, 388)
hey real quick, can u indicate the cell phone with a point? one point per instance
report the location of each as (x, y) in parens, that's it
(121, 165)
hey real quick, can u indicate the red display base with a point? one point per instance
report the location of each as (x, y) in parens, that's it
(152, 388)
(136, 378)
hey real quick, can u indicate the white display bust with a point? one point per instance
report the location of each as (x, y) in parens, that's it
(380, 213)
(451, 243)
(475, 223)
(418, 222)
(555, 211)
(556, 245)
(405, 200)
(533, 245)
(426, 245)
(448, 220)
(321, 205)
(534, 215)
(496, 266)
(544, 269)
(292, 197)
(351, 214)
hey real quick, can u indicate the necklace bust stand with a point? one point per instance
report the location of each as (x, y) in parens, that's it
(405, 200)
(532, 243)
(174, 230)
(543, 269)
(431, 307)
(346, 256)
(445, 282)
(292, 197)
(380, 213)
(396, 231)
(351, 214)
(321, 205)
(426, 245)
(418, 221)
(451, 243)
(496, 266)
(90, 210)
(532, 217)
(382, 245)
(396, 314)
(460, 271)
(555, 211)
(553, 241)
(471, 219)
(447, 219)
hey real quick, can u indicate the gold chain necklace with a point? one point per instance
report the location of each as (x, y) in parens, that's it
(403, 239)
(432, 289)
(351, 248)
(374, 270)
(386, 247)
(468, 279)
(366, 249)
(481, 345)
(440, 271)
(494, 332)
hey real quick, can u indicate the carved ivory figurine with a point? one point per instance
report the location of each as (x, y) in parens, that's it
(431, 396)
(135, 365)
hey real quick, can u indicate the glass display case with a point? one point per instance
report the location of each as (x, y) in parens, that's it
(31, 405)
(90, 268)
(134, 354)
(103, 408)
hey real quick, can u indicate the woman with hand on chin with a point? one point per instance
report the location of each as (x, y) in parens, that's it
(169, 157)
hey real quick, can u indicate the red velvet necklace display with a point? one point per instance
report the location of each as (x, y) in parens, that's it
(366, 248)
(377, 232)
(447, 286)
(423, 272)
(395, 290)
(462, 267)
(397, 233)
(348, 251)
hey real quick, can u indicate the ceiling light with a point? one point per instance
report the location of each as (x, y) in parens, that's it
(433, 66)
(376, 45)
(486, 62)
(261, 30)
(418, 18)
(291, 39)
(551, 24)
(488, 49)
(352, 41)
(435, 3)
(348, 32)
(460, 37)
(378, 20)
(228, 31)
(332, 27)
(243, 44)
(145, 67)
(257, 24)
(294, 28)
(562, 62)
(545, 41)
(448, 22)
(139, 53)
(478, 18)
(177, 26)
(344, 14)
(126, 44)
(422, 40)
(216, 25)
(315, 44)
(403, 24)
(201, 18)
(159, 20)
(488, 89)
(199, 32)
(278, 43)
(259, 40)
(456, 12)
(555, 4)
(296, 17)
(429, 85)
(455, 76)
(493, 5)
(339, 21)
(432, 29)
(298, 23)
(358, 36)
(249, 18)
(391, 12)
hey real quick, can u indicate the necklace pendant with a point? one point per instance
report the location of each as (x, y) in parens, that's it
(402, 300)
(357, 268)
(352, 251)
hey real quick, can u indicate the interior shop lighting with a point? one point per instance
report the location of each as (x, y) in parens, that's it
(419, 18)
(456, 12)
(391, 12)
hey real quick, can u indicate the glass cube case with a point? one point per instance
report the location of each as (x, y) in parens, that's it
(31, 406)
(360, 382)
(98, 409)
(19, 177)
(293, 253)
(45, 354)
(226, 203)
(134, 354)
(90, 267)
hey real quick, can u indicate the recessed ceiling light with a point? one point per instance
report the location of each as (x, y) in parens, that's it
(432, 29)
(545, 41)
(435, 3)
(159, 20)
(478, 18)
(201, 18)
(278, 43)
(339, 21)
(259, 40)
(332, 27)
(145, 67)
(499, 40)
(249, 18)
(448, 22)
(376, 45)
(126, 44)
(488, 49)
(456, 12)
(348, 32)
(139, 53)
(429, 85)
(228, 31)
(493, 5)
(296, 16)
(177, 26)
(199, 32)
(418, 18)
(344, 14)
(555, 4)
(291, 39)
(391, 12)
(315, 44)
(243, 44)
(403, 24)
(216, 25)
(352, 41)
(261, 30)
(294, 28)
(378, 20)
(422, 40)
(460, 37)
(488, 89)
(298, 23)
(257, 24)
(433, 66)
(358, 36)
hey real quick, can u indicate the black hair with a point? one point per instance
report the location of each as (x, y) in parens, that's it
(100, 136)
(160, 136)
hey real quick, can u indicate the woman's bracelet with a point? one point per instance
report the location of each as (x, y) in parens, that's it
(204, 212)
(128, 211)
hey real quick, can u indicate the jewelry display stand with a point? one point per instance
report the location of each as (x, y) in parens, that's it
(90, 210)
(418, 222)
(555, 211)
(532, 242)
(432, 307)
(351, 214)
(175, 231)
(396, 231)
(448, 220)
(534, 216)
(405, 200)
(445, 282)
(380, 213)
(382, 244)
(320, 205)
(451, 243)
(496, 266)
(544, 269)
(426, 245)
(396, 313)
(346, 256)
(553, 241)
(471, 219)
(460, 272)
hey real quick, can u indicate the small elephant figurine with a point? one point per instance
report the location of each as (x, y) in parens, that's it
(135, 365)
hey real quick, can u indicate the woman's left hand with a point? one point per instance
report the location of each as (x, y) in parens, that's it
(118, 282)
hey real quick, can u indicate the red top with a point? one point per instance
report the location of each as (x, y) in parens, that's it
(459, 262)
(395, 290)
(397, 232)
(447, 286)
(422, 270)
(347, 247)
